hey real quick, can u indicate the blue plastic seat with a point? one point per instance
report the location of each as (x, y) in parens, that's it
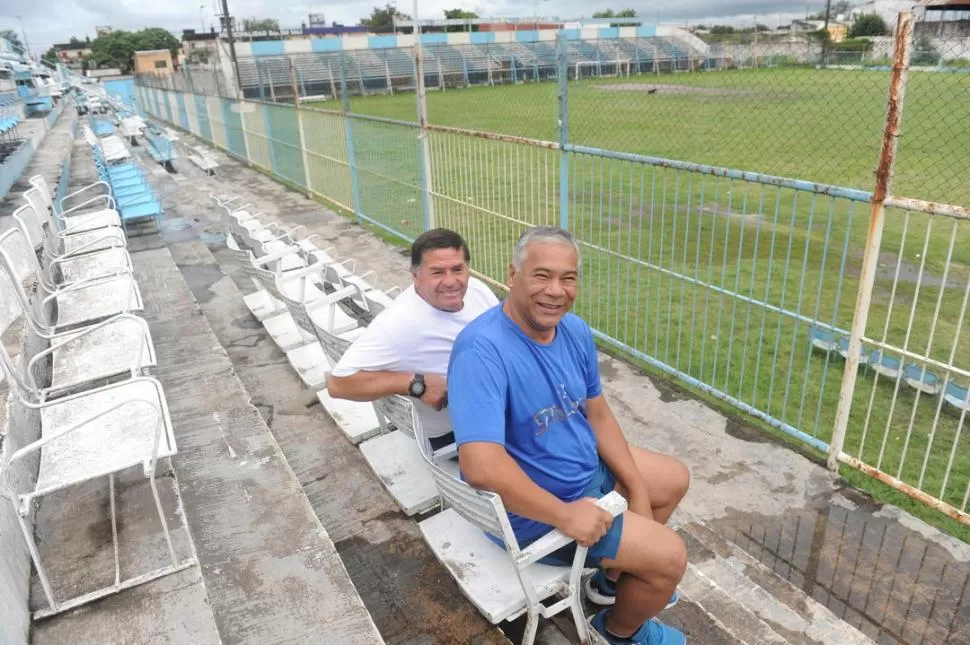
(888, 366)
(823, 339)
(864, 356)
(957, 396)
(919, 378)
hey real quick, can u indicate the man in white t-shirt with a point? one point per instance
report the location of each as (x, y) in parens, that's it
(405, 350)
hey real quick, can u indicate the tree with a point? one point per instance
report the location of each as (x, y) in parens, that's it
(609, 13)
(118, 48)
(50, 56)
(722, 30)
(13, 38)
(840, 7)
(868, 24)
(381, 19)
(157, 38)
(623, 13)
(458, 14)
(114, 50)
(263, 24)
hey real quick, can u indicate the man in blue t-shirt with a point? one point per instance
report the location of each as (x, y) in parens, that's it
(532, 424)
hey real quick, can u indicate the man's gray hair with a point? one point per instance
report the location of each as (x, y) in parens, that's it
(538, 234)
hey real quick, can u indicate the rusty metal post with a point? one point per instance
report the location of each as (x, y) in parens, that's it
(884, 176)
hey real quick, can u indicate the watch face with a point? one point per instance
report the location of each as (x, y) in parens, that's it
(417, 389)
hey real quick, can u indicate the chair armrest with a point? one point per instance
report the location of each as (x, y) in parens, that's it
(140, 322)
(612, 502)
(331, 298)
(84, 247)
(109, 202)
(263, 260)
(40, 443)
(81, 190)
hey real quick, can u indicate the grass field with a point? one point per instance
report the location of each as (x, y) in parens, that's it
(715, 278)
(710, 276)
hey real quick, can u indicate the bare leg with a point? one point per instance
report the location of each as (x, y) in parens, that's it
(653, 559)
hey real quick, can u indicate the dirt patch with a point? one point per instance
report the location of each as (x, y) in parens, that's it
(661, 88)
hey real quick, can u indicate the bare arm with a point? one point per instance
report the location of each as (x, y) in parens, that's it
(488, 466)
(368, 386)
(615, 452)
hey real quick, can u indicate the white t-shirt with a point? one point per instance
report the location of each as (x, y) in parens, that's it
(413, 336)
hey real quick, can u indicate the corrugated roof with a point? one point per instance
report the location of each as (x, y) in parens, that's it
(946, 5)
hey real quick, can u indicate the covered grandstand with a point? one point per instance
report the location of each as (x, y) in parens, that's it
(379, 70)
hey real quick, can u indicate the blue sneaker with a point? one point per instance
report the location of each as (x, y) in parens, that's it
(602, 591)
(652, 632)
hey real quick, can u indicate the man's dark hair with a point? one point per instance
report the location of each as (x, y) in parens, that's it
(436, 238)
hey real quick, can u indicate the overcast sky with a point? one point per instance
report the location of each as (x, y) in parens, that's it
(79, 17)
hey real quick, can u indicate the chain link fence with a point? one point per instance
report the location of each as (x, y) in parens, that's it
(722, 193)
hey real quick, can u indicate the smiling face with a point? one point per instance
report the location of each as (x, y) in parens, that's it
(543, 288)
(442, 278)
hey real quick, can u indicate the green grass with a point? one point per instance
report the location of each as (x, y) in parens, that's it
(679, 266)
(789, 249)
(665, 250)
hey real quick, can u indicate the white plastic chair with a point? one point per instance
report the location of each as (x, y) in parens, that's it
(63, 270)
(82, 302)
(85, 436)
(502, 583)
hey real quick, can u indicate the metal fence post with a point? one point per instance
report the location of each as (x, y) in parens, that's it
(299, 127)
(562, 71)
(349, 134)
(424, 152)
(884, 175)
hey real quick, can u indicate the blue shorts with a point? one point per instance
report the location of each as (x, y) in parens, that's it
(603, 482)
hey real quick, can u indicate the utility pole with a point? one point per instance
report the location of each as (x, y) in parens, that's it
(23, 30)
(825, 30)
(232, 46)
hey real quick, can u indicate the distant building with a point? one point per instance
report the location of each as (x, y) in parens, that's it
(153, 61)
(837, 30)
(103, 30)
(200, 47)
(72, 54)
(945, 19)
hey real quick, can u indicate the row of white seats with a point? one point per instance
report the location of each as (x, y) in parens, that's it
(298, 289)
(66, 275)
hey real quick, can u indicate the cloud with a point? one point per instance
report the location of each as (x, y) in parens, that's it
(80, 17)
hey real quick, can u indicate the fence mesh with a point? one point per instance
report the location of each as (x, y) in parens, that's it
(697, 258)
(934, 145)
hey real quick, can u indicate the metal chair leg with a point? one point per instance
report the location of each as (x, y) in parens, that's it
(161, 517)
(28, 532)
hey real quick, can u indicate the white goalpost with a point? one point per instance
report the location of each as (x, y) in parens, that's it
(615, 67)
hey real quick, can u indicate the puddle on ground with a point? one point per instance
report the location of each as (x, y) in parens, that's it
(200, 278)
(890, 582)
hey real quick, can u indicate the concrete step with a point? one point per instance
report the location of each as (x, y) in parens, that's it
(271, 572)
(753, 602)
(408, 594)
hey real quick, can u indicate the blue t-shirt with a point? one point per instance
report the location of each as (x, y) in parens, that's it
(505, 388)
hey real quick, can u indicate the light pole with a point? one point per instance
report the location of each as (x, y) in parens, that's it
(24, 31)
(202, 16)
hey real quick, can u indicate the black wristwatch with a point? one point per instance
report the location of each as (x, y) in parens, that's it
(416, 387)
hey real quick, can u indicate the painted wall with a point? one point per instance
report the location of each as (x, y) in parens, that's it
(121, 89)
